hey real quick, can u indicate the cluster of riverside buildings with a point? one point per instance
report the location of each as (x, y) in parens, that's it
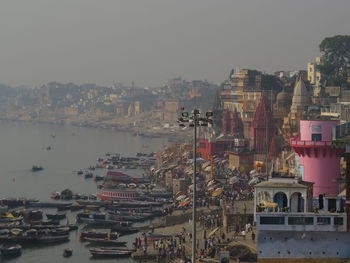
(281, 124)
(68, 101)
(279, 135)
(287, 128)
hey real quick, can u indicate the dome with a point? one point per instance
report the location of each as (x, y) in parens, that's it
(301, 97)
(283, 99)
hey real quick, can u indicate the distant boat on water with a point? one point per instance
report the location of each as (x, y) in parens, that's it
(36, 168)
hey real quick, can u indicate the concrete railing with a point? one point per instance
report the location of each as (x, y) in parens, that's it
(298, 143)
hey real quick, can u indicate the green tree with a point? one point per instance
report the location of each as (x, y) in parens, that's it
(335, 60)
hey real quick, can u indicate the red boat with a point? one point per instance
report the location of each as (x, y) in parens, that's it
(118, 195)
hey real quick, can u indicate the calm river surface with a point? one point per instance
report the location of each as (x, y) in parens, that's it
(23, 145)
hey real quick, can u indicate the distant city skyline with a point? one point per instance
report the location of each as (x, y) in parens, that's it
(148, 42)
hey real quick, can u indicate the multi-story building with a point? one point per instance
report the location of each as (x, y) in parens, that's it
(339, 110)
(313, 74)
(243, 90)
(171, 109)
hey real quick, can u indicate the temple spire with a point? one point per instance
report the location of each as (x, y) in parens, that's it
(262, 128)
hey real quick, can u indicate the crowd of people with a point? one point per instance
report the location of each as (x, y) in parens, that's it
(210, 221)
(229, 186)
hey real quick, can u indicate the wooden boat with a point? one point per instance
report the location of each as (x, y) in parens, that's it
(88, 175)
(136, 203)
(122, 230)
(103, 252)
(56, 216)
(131, 218)
(17, 239)
(137, 210)
(67, 252)
(50, 223)
(64, 208)
(105, 223)
(48, 204)
(76, 207)
(11, 251)
(99, 219)
(95, 234)
(9, 217)
(62, 231)
(9, 225)
(119, 249)
(87, 217)
(99, 178)
(36, 168)
(103, 241)
(95, 202)
(93, 208)
(12, 203)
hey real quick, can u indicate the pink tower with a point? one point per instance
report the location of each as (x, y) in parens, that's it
(319, 161)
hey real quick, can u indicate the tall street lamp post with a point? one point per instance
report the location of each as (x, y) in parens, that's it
(195, 119)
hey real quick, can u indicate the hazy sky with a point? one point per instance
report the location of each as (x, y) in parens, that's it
(149, 41)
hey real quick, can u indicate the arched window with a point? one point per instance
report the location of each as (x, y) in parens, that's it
(281, 199)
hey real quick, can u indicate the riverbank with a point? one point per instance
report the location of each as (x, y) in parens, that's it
(172, 136)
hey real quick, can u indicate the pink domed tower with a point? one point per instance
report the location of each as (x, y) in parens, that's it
(319, 161)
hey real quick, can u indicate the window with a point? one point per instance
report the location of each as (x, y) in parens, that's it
(338, 221)
(316, 137)
(332, 204)
(272, 220)
(316, 128)
(323, 220)
(300, 220)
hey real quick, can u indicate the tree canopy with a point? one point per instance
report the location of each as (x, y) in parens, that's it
(335, 60)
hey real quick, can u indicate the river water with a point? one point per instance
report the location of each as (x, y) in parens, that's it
(72, 148)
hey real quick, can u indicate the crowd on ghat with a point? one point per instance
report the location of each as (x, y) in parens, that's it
(208, 245)
(234, 184)
(230, 185)
(210, 221)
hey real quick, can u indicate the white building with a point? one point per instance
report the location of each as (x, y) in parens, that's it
(313, 74)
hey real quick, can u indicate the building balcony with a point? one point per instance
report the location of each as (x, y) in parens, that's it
(314, 148)
(295, 142)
